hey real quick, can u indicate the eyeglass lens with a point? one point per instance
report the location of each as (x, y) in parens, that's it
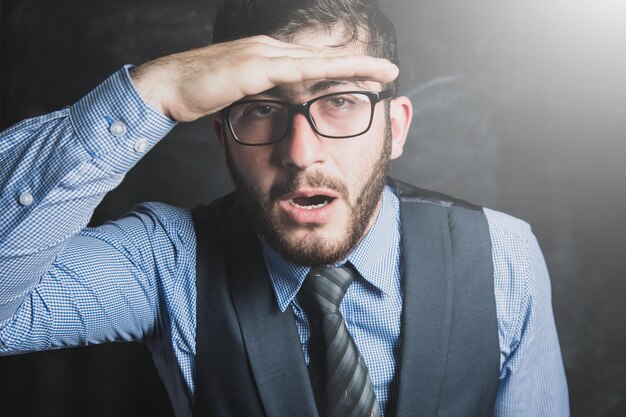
(337, 115)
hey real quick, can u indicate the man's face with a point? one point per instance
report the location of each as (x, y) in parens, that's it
(313, 198)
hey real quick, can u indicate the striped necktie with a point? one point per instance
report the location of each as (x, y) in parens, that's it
(339, 376)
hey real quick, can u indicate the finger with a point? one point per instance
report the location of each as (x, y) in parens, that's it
(285, 70)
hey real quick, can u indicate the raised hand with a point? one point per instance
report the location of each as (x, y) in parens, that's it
(192, 84)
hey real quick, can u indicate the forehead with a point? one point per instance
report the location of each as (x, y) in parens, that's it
(334, 39)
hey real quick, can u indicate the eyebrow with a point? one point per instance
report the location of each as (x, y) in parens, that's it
(280, 91)
(325, 85)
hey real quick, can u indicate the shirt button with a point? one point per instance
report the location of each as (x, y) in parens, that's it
(26, 198)
(117, 128)
(141, 145)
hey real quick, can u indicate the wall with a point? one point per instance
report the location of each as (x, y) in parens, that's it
(519, 106)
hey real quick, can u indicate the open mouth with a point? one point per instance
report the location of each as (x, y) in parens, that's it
(312, 202)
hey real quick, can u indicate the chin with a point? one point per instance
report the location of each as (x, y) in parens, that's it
(312, 245)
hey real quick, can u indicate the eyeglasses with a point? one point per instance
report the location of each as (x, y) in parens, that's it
(337, 116)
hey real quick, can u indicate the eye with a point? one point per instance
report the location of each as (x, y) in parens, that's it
(342, 102)
(260, 110)
(338, 101)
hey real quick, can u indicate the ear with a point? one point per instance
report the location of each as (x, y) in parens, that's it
(400, 112)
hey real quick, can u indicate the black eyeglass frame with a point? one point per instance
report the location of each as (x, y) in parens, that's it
(293, 109)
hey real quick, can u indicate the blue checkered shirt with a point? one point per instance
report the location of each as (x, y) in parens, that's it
(133, 279)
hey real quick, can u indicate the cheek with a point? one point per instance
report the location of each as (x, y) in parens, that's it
(253, 165)
(357, 162)
(368, 146)
(368, 149)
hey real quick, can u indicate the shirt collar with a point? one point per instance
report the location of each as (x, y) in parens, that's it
(377, 250)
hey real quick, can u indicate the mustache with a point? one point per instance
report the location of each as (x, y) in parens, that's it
(316, 180)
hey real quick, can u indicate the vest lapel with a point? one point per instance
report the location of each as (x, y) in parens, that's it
(270, 336)
(427, 308)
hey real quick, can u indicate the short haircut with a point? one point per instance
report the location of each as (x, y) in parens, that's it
(282, 19)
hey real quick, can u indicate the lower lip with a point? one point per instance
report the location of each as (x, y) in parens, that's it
(308, 216)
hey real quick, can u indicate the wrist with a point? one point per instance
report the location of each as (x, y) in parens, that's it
(149, 83)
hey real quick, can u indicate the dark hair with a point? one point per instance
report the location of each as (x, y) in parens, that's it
(284, 18)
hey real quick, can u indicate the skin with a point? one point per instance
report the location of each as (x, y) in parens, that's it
(200, 82)
(271, 178)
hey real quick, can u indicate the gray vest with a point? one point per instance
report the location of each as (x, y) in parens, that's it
(248, 357)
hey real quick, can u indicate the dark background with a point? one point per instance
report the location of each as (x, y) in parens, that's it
(519, 106)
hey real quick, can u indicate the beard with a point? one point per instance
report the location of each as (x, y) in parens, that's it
(314, 250)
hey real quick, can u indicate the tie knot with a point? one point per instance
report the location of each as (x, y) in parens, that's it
(324, 288)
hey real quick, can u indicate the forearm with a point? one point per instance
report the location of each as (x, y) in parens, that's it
(60, 166)
(56, 169)
(107, 284)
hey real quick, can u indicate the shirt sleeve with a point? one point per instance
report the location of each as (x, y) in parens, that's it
(108, 284)
(56, 168)
(532, 378)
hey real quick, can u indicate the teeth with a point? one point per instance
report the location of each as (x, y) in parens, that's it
(311, 207)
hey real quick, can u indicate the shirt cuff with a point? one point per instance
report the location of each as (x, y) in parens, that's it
(115, 125)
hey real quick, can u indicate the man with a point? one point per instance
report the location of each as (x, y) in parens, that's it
(435, 307)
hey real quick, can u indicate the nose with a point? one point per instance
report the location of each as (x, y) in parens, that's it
(302, 147)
